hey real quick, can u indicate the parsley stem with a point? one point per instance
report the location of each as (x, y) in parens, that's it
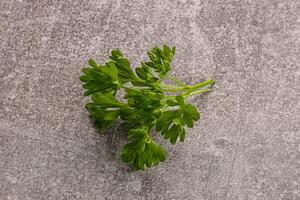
(197, 92)
(202, 84)
(141, 88)
(176, 80)
(198, 86)
(174, 90)
(186, 88)
(170, 88)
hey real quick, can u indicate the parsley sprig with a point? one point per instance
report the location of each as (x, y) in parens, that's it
(147, 104)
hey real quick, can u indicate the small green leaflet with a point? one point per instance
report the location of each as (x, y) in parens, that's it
(171, 122)
(161, 59)
(141, 151)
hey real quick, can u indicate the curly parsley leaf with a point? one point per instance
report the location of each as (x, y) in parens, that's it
(161, 59)
(141, 151)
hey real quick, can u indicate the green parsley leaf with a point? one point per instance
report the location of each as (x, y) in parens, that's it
(125, 72)
(161, 59)
(141, 151)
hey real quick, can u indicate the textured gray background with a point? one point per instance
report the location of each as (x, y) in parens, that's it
(245, 147)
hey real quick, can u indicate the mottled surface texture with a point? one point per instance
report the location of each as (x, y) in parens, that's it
(245, 147)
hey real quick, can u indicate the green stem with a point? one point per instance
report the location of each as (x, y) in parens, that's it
(141, 88)
(186, 88)
(198, 86)
(176, 80)
(202, 84)
(170, 88)
(197, 92)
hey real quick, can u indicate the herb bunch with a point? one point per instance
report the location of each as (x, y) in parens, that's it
(148, 103)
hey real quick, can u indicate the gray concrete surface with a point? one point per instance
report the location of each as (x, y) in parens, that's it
(247, 145)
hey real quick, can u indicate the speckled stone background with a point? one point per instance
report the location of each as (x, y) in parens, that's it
(247, 145)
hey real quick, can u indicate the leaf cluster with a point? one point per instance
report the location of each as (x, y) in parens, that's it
(147, 104)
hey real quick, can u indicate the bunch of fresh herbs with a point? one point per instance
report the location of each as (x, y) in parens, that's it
(148, 103)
